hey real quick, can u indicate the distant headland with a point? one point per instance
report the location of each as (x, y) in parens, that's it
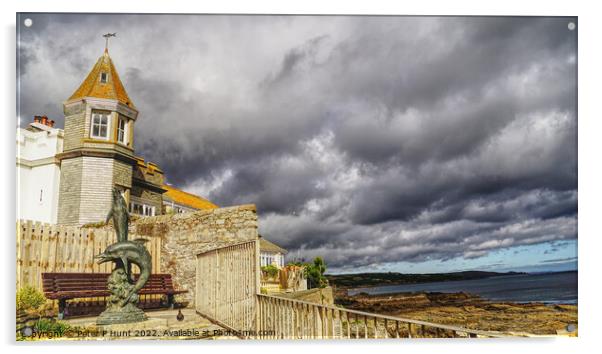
(364, 280)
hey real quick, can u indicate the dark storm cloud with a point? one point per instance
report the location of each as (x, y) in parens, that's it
(366, 140)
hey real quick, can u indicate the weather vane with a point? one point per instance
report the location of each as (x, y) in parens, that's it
(107, 36)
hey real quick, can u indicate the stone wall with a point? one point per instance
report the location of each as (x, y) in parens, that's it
(186, 235)
(122, 174)
(322, 296)
(145, 196)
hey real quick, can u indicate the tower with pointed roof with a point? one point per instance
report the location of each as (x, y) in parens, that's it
(67, 176)
(98, 151)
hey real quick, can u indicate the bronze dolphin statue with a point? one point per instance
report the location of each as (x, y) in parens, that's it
(129, 252)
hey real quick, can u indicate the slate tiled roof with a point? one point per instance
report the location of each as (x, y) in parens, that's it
(267, 246)
(112, 89)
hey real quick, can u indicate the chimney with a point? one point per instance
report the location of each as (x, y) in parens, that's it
(43, 120)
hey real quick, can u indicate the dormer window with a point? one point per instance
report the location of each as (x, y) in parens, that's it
(100, 125)
(104, 77)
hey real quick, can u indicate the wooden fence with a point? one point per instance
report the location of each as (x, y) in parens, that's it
(282, 318)
(69, 249)
(227, 280)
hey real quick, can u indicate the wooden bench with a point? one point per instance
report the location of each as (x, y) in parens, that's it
(67, 286)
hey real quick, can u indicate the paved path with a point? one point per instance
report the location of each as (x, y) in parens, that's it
(160, 325)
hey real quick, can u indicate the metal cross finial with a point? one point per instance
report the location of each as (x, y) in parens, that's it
(107, 36)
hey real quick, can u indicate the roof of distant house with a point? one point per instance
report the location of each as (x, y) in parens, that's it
(267, 246)
(190, 200)
(109, 86)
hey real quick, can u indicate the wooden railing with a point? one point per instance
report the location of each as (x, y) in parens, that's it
(227, 280)
(57, 248)
(281, 318)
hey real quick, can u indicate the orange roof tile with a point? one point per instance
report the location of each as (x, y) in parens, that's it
(187, 199)
(112, 89)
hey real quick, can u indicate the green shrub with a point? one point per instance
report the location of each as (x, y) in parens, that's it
(296, 263)
(314, 272)
(271, 270)
(46, 325)
(29, 297)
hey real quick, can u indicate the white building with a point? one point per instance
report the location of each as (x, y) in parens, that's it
(39, 174)
(38, 170)
(270, 253)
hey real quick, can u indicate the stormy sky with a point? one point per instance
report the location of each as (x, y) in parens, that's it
(411, 144)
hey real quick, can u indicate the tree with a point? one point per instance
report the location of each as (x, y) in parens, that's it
(315, 273)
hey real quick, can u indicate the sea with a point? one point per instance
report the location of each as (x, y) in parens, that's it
(552, 288)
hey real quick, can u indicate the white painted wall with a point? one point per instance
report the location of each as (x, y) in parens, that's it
(171, 206)
(267, 258)
(38, 172)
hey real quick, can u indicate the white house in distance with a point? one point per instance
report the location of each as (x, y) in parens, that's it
(290, 278)
(271, 253)
(39, 173)
(38, 170)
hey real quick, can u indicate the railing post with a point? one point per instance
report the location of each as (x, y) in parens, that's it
(365, 327)
(272, 317)
(375, 327)
(348, 325)
(386, 329)
(300, 321)
(281, 327)
(332, 323)
(318, 327)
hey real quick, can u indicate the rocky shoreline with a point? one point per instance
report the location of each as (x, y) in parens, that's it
(467, 310)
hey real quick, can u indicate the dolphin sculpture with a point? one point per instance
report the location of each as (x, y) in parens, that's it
(119, 214)
(129, 252)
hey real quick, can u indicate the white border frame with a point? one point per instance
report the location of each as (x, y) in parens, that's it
(590, 170)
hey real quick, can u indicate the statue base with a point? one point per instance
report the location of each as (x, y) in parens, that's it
(127, 314)
(121, 307)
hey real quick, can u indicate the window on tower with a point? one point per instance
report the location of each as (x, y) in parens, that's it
(100, 125)
(122, 127)
(103, 78)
